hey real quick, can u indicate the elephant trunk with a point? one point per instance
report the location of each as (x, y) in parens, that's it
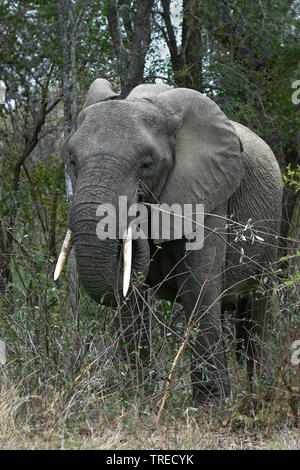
(99, 259)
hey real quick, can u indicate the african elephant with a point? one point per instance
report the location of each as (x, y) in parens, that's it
(163, 146)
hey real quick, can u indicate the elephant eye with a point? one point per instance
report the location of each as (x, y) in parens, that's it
(148, 162)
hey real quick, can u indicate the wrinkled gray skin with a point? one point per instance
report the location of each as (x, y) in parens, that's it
(171, 146)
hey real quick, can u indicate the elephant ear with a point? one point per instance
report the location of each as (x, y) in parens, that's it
(207, 161)
(100, 90)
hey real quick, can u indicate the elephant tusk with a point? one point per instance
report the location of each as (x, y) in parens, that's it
(127, 257)
(63, 255)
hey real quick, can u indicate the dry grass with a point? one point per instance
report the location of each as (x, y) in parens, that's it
(66, 385)
(92, 423)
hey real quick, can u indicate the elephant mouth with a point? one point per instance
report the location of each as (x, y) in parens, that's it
(131, 255)
(126, 255)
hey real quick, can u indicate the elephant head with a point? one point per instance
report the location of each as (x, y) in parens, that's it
(158, 145)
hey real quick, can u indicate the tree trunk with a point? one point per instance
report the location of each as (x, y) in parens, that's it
(52, 224)
(187, 58)
(130, 49)
(69, 69)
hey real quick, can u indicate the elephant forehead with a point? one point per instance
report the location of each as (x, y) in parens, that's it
(123, 117)
(105, 130)
(117, 127)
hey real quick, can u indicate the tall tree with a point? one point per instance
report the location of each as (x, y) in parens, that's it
(253, 58)
(130, 28)
(68, 26)
(28, 67)
(187, 55)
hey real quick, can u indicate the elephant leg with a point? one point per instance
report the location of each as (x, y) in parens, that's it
(208, 365)
(200, 282)
(250, 331)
